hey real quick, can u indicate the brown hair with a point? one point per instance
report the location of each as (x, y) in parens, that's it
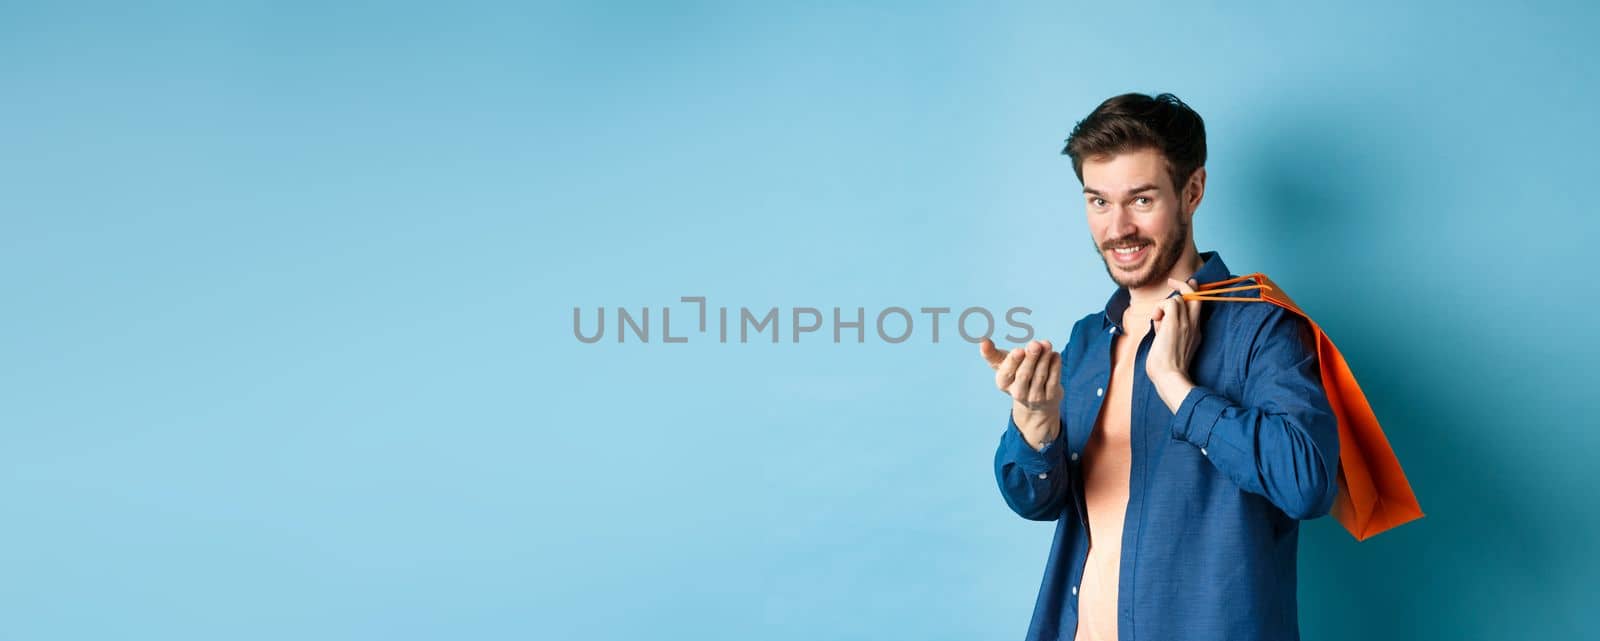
(1134, 121)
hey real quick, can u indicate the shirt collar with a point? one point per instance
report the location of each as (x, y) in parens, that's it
(1212, 269)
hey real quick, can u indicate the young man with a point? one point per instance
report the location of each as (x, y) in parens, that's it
(1176, 444)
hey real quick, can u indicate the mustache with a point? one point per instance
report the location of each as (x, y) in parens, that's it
(1131, 241)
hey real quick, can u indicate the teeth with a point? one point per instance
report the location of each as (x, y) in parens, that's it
(1128, 250)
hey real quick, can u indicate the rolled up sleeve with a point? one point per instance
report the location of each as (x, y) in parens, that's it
(1034, 483)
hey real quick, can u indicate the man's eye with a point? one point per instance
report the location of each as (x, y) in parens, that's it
(1142, 200)
(1098, 202)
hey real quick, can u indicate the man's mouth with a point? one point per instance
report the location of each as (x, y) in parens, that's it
(1130, 254)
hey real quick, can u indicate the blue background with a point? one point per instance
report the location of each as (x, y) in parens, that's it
(288, 346)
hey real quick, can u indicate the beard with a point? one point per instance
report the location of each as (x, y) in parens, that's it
(1157, 265)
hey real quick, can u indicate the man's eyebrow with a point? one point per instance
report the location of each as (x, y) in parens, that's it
(1135, 190)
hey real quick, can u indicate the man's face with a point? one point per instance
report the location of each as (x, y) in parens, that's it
(1131, 203)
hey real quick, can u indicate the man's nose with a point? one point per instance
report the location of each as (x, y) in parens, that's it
(1121, 224)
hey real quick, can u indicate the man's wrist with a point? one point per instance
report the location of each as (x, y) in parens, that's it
(1039, 435)
(1172, 387)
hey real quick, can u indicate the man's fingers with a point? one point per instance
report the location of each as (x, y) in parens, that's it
(1188, 288)
(1030, 358)
(1055, 374)
(1041, 375)
(1163, 310)
(1024, 371)
(1163, 314)
(1008, 370)
(1172, 306)
(991, 355)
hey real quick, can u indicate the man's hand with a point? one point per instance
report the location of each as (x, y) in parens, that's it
(1177, 330)
(1031, 375)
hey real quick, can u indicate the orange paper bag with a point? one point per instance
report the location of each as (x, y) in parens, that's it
(1374, 495)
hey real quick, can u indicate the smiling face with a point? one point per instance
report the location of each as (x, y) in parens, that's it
(1139, 223)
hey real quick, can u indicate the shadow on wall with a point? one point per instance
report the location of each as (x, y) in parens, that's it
(1321, 206)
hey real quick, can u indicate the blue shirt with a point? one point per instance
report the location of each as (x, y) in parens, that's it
(1216, 491)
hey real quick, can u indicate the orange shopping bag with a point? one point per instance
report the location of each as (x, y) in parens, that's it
(1373, 492)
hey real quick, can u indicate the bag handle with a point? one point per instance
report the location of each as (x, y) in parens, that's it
(1207, 291)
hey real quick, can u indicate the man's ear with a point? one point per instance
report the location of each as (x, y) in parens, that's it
(1193, 191)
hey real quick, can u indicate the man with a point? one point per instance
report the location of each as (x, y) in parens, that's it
(1176, 444)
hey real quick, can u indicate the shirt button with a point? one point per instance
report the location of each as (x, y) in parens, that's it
(1099, 391)
(1074, 590)
(1074, 456)
(1113, 330)
(1202, 451)
(1042, 475)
